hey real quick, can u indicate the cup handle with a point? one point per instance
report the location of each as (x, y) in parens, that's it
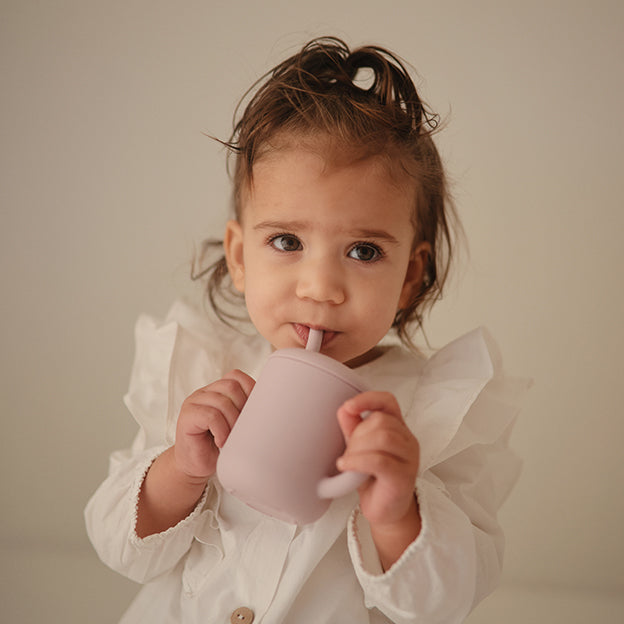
(343, 483)
(340, 484)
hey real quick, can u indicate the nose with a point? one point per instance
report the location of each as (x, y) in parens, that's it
(321, 280)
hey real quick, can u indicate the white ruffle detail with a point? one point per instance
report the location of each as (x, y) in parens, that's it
(462, 398)
(174, 358)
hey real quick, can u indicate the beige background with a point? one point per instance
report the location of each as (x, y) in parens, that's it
(108, 182)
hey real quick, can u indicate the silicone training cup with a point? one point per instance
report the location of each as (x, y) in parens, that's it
(280, 456)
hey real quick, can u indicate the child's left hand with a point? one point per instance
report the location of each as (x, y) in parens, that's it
(382, 446)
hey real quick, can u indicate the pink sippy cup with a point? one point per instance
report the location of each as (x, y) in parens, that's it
(280, 456)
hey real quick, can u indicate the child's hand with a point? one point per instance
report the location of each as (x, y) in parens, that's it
(206, 419)
(383, 446)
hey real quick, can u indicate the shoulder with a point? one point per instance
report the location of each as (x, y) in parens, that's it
(458, 397)
(195, 332)
(175, 356)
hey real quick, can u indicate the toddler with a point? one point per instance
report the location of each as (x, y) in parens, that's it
(342, 223)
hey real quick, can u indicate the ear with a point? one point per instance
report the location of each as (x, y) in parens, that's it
(415, 273)
(233, 245)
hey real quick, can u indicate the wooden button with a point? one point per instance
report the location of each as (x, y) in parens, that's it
(242, 615)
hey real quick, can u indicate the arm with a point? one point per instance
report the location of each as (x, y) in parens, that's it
(462, 411)
(142, 519)
(391, 539)
(383, 446)
(456, 559)
(111, 516)
(167, 496)
(177, 479)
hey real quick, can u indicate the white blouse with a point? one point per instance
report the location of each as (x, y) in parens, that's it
(229, 563)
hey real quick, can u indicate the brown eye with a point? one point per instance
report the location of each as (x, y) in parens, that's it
(365, 252)
(286, 242)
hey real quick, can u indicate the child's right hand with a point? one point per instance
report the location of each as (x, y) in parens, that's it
(206, 419)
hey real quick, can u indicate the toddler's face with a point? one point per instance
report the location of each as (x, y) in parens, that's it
(326, 246)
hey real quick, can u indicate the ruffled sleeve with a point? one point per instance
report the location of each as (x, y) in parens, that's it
(173, 358)
(147, 396)
(461, 408)
(111, 517)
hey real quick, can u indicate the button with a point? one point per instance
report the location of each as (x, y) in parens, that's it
(242, 615)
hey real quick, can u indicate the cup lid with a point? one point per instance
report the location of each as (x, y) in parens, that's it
(325, 363)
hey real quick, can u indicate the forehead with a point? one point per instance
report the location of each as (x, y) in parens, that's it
(298, 185)
(317, 159)
(301, 174)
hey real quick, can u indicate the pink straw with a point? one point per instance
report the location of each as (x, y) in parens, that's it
(315, 339)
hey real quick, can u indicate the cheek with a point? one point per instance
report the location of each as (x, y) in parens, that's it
(381, 319)
(261, 296)
(253, 297)
(385, 295)
(379, 306)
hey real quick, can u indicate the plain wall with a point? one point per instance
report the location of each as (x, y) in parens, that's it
(108, 182)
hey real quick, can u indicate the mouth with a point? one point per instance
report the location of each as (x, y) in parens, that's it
(303, 332)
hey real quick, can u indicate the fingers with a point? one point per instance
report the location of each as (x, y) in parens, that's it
(382, 434)
(205, 421)
(215, 408)
(373, 402)
(381, 442)
(353, 411)
(244, 380)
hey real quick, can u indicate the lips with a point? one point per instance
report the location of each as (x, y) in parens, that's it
(303, 332)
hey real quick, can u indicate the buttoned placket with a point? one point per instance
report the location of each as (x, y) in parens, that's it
(253, 550)
(263, 560)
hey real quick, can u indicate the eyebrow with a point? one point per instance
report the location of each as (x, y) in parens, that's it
(282, 225)
(377, 234)
(302, 225)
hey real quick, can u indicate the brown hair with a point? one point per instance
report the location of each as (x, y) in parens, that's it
(318, 92)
